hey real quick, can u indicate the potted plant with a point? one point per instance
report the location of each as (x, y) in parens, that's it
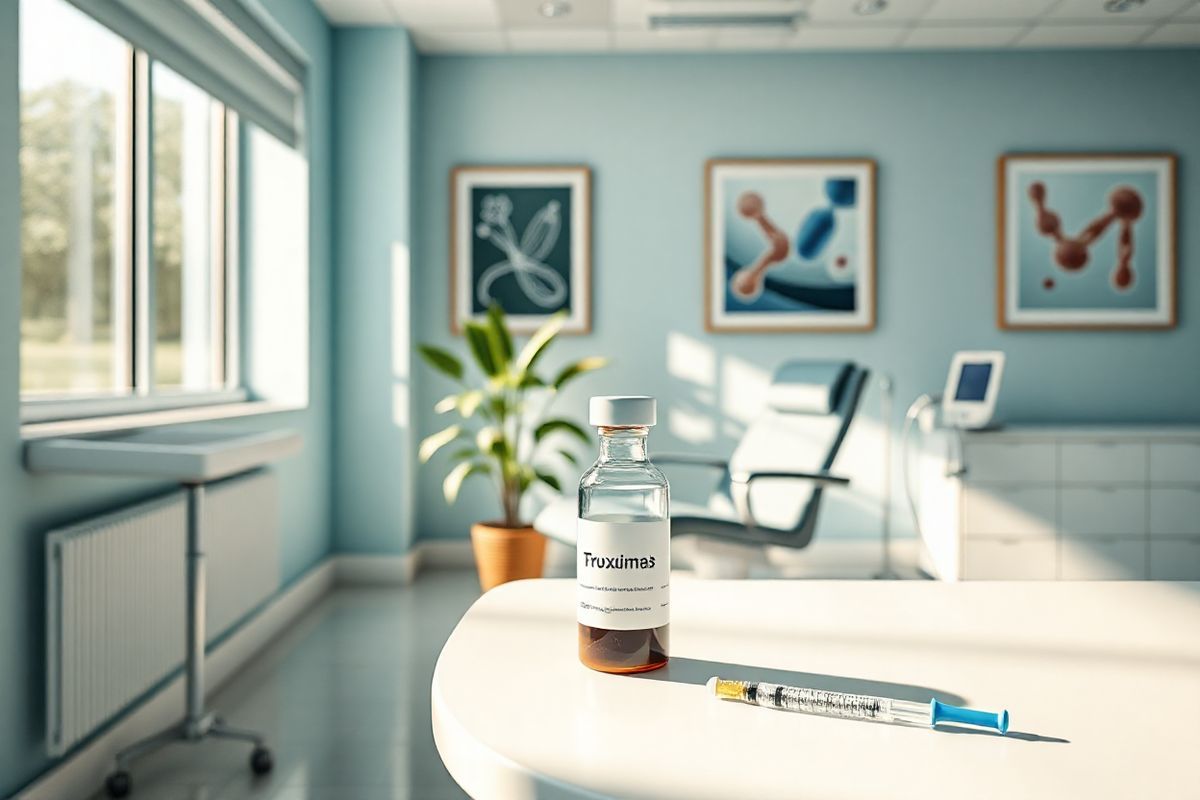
(503, 434)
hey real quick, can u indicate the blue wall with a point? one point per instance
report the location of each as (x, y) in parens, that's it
(30, 505)
(373, 155)
(935, 122)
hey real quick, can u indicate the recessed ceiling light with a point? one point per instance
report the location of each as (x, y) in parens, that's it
(552, 9)
(869, 8)
(1121, 6)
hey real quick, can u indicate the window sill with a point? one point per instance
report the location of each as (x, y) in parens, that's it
(151, 419)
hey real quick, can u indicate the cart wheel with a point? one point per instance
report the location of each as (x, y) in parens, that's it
(118, 784)
(261, 761)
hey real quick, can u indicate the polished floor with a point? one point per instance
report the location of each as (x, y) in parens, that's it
(344, 700)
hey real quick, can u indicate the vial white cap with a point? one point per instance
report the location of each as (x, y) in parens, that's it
(614, 410)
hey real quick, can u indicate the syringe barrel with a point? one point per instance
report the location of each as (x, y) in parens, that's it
(824, 702)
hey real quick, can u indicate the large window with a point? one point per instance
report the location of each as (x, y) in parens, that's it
(126, 280)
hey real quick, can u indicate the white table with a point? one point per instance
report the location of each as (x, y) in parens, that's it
(1102, 681)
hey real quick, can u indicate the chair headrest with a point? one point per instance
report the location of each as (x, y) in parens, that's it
(808, 387)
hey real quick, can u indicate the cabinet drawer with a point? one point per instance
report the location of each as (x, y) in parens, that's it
(1102, 462)
(1100, 558)
(1175, 559)
(1101, 511)
(1175, 462)
(1013, 462)
(1011, 559)
(999, 510)
(1175, 511)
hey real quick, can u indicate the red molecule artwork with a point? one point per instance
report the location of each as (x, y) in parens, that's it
(1072, 253)
(1048, 284)
(748, 281)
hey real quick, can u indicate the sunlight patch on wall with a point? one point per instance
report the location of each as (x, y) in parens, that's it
(691, 360)
(743, 388)
(691, 425)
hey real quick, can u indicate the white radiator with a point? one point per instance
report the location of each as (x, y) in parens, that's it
(115, 596)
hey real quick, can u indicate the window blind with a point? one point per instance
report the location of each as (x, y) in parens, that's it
(230, 48)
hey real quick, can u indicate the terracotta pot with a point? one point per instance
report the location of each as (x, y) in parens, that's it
(506, 554)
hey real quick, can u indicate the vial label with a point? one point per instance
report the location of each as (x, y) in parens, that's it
(624, 573)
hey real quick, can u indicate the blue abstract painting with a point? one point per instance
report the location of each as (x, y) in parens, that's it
(791, 245)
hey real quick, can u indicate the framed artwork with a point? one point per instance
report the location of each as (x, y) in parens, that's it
(521, 236)
(789, 245)
(1086, 241)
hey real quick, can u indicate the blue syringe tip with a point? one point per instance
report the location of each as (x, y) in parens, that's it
(944, 712)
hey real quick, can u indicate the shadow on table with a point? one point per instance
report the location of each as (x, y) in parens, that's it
(1020, 736)
(681, 669)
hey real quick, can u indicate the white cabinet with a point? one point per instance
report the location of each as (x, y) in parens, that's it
(1175, 511)
(1067, 503)
(1102, 558)
(1174, 559)
(1016, 558)
(1102, 510)
(1175, 462)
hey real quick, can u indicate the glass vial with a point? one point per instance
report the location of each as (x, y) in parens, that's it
(624, 544)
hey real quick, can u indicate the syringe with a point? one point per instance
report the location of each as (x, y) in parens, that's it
(853, 706)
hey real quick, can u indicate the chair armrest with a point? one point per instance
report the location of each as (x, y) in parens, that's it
(822, 478)
(746, 479)
(689, 460)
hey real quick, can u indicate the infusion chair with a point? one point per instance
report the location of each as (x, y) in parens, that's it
(770, 489)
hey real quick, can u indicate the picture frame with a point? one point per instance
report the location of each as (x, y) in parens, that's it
(1086, 241)
(789, 245)
(521, 236)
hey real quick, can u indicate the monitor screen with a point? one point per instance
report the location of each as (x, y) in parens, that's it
(973, 382)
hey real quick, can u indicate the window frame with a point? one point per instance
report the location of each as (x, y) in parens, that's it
(134, 334)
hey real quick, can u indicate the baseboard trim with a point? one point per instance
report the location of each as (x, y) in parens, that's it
(83, 772)
(376, 570)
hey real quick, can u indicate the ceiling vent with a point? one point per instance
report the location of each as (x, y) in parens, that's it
(690, 14)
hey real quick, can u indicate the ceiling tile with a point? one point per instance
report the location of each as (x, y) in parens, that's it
(749, 38)
(582, 14)
(1175, 33)
(465, 14)
(656, 41)
(843, 11)
(455, 41)
(987, 9)
(1094, 10)
(629, 13)
(357, 12)
(573, 40)
(962, 37)
(848, 37)
(1053, 35)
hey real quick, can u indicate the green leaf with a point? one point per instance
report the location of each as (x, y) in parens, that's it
(498, 335)
(491, 440)
(530, 381)
(570, 457)
(464, 453)
(477, 338)
(549, 480)
(436, 441)
(551, 425)
(468, 402)
(578, 368)
(447, 403)
(454, 481)
(442, 360)
(536, 345)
